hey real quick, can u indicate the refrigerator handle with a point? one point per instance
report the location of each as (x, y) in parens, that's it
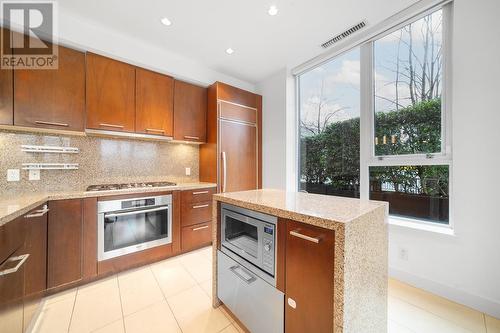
(224, 171)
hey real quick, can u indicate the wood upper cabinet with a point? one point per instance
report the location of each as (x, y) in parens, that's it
(52, 98)
(190, 112)
(309, 278)
(154, 103)
(64, 242)
(110, 94)
(35, 280)
(6, 91)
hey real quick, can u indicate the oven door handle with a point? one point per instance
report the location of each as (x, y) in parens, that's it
(247, 280)
(136, 212)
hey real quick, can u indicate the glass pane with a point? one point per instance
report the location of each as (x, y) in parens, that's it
(408, 84)
(329, 127)
(123, 231)
(242, 235)
(420, 192)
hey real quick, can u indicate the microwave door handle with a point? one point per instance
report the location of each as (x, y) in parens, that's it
(136, 212)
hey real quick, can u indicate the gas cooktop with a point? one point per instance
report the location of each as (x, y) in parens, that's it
(111, 187)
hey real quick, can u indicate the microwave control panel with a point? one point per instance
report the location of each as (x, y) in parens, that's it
(268, 253)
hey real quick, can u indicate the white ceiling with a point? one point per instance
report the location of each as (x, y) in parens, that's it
(203, 29)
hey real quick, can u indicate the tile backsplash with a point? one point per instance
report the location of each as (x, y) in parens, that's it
(101, 160)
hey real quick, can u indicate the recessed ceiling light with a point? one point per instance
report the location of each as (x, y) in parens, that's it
(166, 21)
(273, 10)
(229, 51)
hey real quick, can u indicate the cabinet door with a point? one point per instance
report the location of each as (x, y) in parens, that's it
(154, 103)
(190, 112)
(6, 91)
(36, 246)
(238, 148)
(110, 94)
(64, 261)
(309, 278)
(52, 98)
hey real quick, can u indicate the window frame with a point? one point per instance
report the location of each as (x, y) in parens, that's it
(368, 158)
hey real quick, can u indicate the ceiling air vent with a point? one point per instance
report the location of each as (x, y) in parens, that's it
(343, 35)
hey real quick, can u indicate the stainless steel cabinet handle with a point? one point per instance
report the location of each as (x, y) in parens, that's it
(136, 212)
(200, 228)
(224, 173)
(248, 280)
(38, 213)
(201, 206)
(40, 122)
(201, 192)
(111, 125)
(191, 137)
(22, 259)
(155, 130)
(307, 238)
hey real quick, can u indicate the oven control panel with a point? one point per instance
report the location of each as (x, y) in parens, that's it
(268, 248)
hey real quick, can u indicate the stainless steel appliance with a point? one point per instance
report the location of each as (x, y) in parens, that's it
(251, 236)
(131, 225)
(126, 186)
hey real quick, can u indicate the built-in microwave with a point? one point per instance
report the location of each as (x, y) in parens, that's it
(251, 236)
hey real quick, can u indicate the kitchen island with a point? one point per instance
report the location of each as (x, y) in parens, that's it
(330, 259)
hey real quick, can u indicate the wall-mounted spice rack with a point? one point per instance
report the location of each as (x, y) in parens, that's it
(49, 149)
(50, 166)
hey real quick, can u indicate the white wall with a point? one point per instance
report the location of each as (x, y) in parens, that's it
(80, 33)
(273, 91)
(464, 267)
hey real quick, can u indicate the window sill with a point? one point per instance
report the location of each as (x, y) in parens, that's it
(419, 225)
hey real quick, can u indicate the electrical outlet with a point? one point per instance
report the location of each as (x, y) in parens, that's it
(188, 171)
(13, 175)
(34, 175)
(403, 253)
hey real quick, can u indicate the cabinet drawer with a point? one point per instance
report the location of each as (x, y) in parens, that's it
(197, 212)
(198, 195)
(12, 236)
(196, 236)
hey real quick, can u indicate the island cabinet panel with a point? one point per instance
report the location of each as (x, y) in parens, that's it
(110, 94)
(64, 239)
(154, 103)
(309, 278)
(6, 89)
(52, 98)
(190, 112)
(36, 246)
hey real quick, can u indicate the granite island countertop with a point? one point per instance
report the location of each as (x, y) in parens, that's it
(361, 248)
(15, 205)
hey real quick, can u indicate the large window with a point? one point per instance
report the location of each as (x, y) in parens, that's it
(407, 158)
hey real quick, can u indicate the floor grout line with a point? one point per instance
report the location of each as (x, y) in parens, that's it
(73, 309)
(121, 303)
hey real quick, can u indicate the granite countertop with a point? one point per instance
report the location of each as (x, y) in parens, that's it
(316, 209)
(14, 206)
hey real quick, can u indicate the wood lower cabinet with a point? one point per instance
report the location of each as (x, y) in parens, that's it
(36, 246)
(190, 112)
(64, 242)
(196, 236)
(309, 266)
(154, 103)
(196, 212)
(52, 98)
(110, 94)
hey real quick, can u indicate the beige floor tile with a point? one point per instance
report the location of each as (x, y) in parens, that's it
(138, 289)
(155, 318)
(55, 317)
(228, 316)
(207, 287)
(96, 307)
(492, 324)
(114, 327)
(419, 320)
(172, 279)
(207, 252)
(194, 313)
(461, 315)
(230, 329)
(102, 283)
(198, 266)
(67, 294)
(393, 327)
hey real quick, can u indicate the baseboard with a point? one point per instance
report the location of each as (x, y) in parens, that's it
(478, 303)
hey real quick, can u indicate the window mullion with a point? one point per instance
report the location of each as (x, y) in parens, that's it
(366, 117)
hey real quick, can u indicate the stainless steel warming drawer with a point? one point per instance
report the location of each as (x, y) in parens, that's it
(256, 303)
